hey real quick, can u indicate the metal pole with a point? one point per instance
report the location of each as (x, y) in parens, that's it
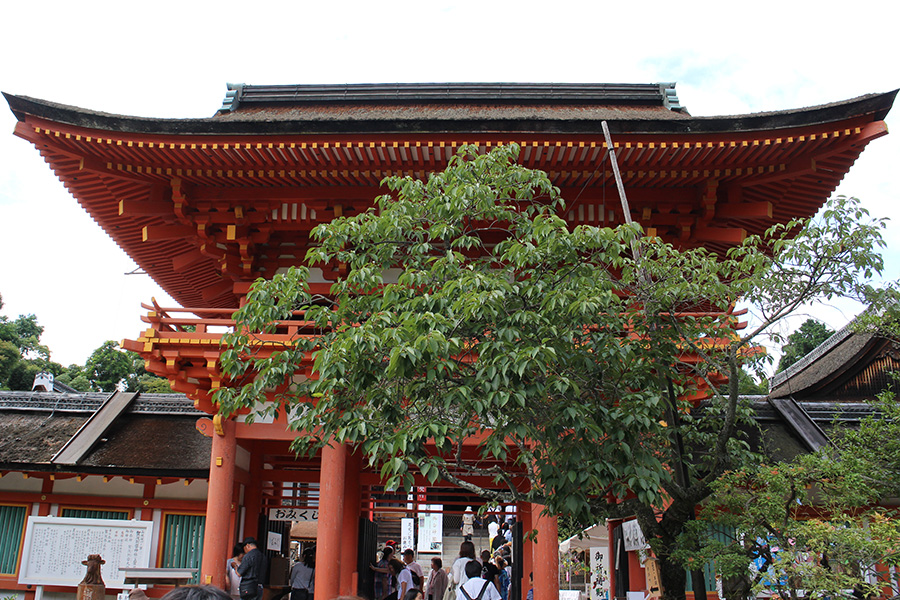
(626, 211)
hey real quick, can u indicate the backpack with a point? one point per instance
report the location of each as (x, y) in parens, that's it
(480, 594)
(417, 581)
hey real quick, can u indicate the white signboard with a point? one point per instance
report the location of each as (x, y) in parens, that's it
(599, 565)
(634, 537)
(294, 514)
(407, 533)
(431, 528)
(273, 541)
(55, 546)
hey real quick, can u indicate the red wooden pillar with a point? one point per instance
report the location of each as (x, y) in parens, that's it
(216, 546)
(350, 528)
(546, 555)
(331, 518)
(46, 491)
(149, 492)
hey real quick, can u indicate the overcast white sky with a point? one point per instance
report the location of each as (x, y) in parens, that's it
(173, 59)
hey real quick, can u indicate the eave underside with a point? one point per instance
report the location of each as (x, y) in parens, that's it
(168, 201)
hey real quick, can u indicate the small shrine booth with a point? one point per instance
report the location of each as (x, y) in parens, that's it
(206, 206)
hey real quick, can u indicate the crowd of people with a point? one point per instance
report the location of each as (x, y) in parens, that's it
(470, 577)
(245, 572)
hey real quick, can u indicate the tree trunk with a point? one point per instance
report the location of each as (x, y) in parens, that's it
(672, 577)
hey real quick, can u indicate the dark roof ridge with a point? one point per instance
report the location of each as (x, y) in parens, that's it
(876, 105)
(88, 402)
(819, 351)
(822, 349)
(660, 94)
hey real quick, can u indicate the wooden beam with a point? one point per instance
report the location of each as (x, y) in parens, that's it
(744, 210)
(187, 259)
(794, 169)
(728, 235)
(132, 208)
(157, 233)
(325, 192)
(213, 291)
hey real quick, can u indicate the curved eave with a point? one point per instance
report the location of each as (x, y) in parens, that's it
(285, 122)
(105, 159)
(826, 371)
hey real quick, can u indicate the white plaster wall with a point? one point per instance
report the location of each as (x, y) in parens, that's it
(93, 485)
(15, 482)
(197, 490)
(242, 458)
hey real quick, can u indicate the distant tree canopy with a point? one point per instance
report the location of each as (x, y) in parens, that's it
(803, 341)
(22, 356)
(749, 386)
(110, 368)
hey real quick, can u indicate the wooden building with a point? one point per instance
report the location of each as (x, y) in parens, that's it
(89, 455)
(205, 206)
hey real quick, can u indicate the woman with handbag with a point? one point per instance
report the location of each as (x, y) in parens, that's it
(303, 576)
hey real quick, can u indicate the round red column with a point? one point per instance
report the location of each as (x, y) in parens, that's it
(546, 555)
(216, 546)
(331, 519)
(350, 528)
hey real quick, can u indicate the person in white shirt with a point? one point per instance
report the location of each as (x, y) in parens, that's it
(476, 588)
(493, 530)
(403, 575)
(458, 570)
(409, 558)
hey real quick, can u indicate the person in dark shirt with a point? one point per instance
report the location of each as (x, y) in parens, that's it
(252, 571)
(489, 571)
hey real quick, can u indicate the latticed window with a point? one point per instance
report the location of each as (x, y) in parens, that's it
(721, 533)
(183, 542)
(12, 525)
(81, 513)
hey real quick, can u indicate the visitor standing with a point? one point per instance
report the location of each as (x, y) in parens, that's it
(458, 570)
(476, 588)
(232, 579)
(303, 576)
(493, 529)
(404, 577)
(437, 580)
(468, 524)
(384, 580)
(411, 564)
(502, 577)
(252, 571)
(489, 570)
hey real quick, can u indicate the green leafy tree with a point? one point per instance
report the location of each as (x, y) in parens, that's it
(752, 386)
(570, 352)
(22, 356)
(9, 356)
(151, 384)
(807, 338)
(75, 377)
(809, 526)
(110, 368)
